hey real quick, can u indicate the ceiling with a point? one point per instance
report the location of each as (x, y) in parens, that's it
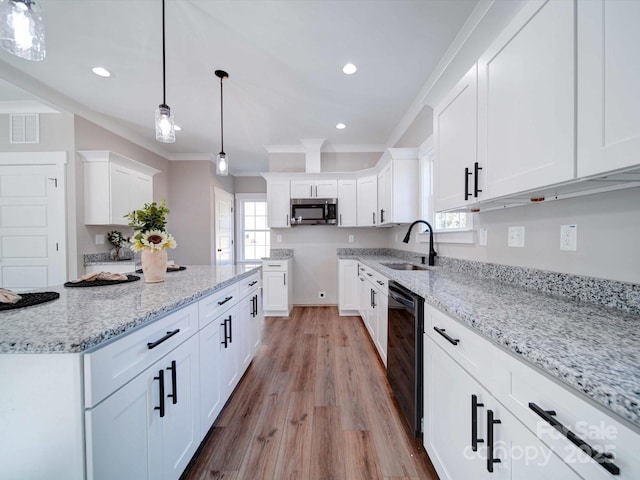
(284, 60)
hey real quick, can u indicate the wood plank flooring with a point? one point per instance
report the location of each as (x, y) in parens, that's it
(314, 404)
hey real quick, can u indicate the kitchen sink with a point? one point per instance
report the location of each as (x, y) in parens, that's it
(405, 266)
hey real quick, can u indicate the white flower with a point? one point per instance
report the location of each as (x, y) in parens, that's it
(153, 240)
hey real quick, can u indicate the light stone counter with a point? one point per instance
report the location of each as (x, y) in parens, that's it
(84, 317)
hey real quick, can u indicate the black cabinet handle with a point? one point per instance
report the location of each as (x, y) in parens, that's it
(253, 283)
(225, 300)
(174, 382)
(373, 292)
(379, 282)
(226, 333)
(230, 330)
(284, 278)
(474, 423)
(340, 219)
(382, 215)
(442, 331)
(466, 184)
(374, 218)
(490, 423)
(160, 379)
(370, 274)
(151, 345)
(361, 279)
(476, 190)
(603, 458)
(287, 219)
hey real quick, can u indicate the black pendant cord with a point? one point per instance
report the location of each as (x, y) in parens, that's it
(164, 73)
(221, 119)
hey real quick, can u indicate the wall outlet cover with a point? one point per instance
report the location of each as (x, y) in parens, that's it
(569, 237)
(482, 237)
(351, 238)
(100, 239)
(278, 238)
(516, 237)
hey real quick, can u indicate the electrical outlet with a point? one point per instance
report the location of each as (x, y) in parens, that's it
(278, 238)
(350, 238)
(569, 237)
(99, 239)
(482, 234)
(516, 237)
(322, 294)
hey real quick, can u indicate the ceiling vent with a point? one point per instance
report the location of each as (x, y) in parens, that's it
(25, 128)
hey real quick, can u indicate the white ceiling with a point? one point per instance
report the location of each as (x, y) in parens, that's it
(284, 60)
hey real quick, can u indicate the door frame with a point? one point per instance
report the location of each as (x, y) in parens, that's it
(219, 193)
(59, 160)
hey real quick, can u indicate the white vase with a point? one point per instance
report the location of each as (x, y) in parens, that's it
(154, 265)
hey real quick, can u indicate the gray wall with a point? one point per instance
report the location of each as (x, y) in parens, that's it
(249, 185)
(418, 131)
(348, 162)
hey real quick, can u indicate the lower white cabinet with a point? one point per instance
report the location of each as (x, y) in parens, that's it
(211, 360)
(231, 341)
(348, 299)
(276, 279)
(150, 428)
(373, 304)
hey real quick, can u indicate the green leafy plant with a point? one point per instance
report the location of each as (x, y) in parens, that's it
(116, 239)
(149, 223)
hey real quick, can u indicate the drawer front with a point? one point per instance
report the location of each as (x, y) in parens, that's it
(517, 385)
(465, 346)
(217, 303)
(275, 266)
(249, 284)
(110, 367)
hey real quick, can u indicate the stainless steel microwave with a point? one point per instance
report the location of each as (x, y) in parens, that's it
(314, 211)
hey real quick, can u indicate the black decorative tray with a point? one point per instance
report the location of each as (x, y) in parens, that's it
(169, 269)
(30, 299)
(102, 283)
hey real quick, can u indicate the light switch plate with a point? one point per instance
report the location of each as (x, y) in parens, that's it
(278, 238)
(99, 239)
(350, 238)
(569, 237)
(516, 237)
(482, 237)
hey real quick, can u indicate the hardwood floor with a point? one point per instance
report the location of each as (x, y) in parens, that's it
(314, 404)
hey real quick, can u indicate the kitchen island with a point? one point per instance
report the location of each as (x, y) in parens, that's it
(63, 364)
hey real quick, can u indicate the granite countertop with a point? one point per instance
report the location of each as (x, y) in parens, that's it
(279, 254)
(84, 317)
(592, 349)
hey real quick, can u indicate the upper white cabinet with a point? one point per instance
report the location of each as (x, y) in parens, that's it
(367, 203)
(526, 108)
(314, 188)
(455, 127)
(347, 203)
(608, 87)
(278, 203)
(398, 187)
(114, 186)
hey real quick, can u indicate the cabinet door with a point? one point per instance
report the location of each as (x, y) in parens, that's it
(230, 364)
(347, 203)
(275, 290)
(455, 130)
(364, 296)
(448, 426)
(325, 189)
(181, 423)
(526, 101)
(279, 203)
(385, 201)
(302, 189)
(120, 193)
(348, 299)
(211, 400)
(243, 332)
(608, 88)
(141, 190)
(367, 201)
(256, 322)
(119, 430)
(382, 327)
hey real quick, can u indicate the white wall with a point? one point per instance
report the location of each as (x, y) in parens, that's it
(315, 264)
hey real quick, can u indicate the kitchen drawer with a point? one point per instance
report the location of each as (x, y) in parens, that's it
(249, 284)
(108, 368)
(217, 303)
(517, 384)
(466, 347)
(275, 265)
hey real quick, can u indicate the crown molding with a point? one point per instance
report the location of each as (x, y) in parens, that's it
(25, 106)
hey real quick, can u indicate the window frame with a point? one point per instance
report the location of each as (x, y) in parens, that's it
(240, 199)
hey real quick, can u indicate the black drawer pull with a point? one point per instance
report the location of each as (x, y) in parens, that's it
(476, 190)
(474, 423)
(160, 379)
(370, 274)
(441, 331)
(467, 173)
(603, 458)
(490, 423)
(379, 282)
(253, 283)
(151, 345)
(174, 382)
(226, 334)
(225, 300)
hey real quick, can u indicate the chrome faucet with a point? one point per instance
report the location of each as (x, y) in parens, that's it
(432, 252)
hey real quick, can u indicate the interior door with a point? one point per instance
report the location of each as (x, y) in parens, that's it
(223, 227)
(32, 226)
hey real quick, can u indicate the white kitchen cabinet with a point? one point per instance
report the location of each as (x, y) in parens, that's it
(367, 203)
(608, 88)
(348, 296)
(277, 284)
(347, 203)
(373, 292)
(250, 322)
(231, 340)
(257, 321)
(278, 203)
(211, 358)
(526, 106)
(114, 186)
(150, 427)
(381, 305)
(398, 187)
(327, 188)
(455, 132)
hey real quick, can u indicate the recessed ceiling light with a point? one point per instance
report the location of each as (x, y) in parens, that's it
(101, 71)
(349, 69)
(177, 128)
(341, 126)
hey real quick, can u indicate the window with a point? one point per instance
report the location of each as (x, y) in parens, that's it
(253, 232)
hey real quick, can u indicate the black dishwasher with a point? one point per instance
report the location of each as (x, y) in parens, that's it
(404, 353)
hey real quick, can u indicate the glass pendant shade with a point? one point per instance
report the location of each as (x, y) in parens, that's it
(22, 29)
(222, 167)
(165, 128)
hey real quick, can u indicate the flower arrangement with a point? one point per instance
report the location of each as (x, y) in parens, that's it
(149, 223)
(116, 239)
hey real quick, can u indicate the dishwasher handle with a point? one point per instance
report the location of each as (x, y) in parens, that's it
(400, 298)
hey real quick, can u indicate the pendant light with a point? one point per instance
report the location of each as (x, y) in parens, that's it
(165, 128)
(22, 29)
(222, 165)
